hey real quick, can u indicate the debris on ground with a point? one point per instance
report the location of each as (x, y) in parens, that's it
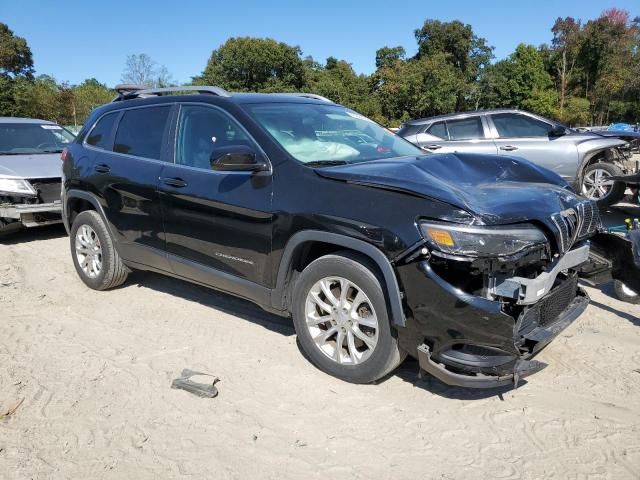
(204, 390)
(12, 410)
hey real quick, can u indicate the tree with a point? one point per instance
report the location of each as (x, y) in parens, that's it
(254, 64)
(520, 81)
(607, 58)
(468, 54)
(15, 54)
(87, 96)
(566, 43)
(416, 88)
(140, 69)
(338, 82)
(387, 56)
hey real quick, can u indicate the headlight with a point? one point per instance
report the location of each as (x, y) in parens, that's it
(16, 185)
(481, 241)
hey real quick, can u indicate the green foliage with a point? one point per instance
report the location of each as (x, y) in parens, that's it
(15, 54)
(577, 111)
(520, 81)
(254, 64)
(387, 56)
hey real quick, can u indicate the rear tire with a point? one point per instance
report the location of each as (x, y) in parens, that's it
(593, 187)
(96, 260)
(624, 293)
(363, 347)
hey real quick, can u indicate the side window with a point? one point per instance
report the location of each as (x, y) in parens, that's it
(204, 130)
(465, 129)
(438, 129)
(513, 125)
(101, 133)
(141, 130)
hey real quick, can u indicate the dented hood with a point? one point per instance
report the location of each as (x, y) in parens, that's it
(496, 189)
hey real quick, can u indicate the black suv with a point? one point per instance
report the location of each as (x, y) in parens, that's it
(467, 262)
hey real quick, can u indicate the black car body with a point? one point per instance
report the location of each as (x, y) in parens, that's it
(253, 222)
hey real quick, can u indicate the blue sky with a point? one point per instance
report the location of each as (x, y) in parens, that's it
(73, 40)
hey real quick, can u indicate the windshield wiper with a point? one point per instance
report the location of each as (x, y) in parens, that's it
(13, 153)
(325, 163)
(51, 150)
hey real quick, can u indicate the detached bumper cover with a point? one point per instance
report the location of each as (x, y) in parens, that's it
(522, 369)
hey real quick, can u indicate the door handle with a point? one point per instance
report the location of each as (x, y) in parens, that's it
(102, 168)
(508, 148)
(174, 182)
(432, 147)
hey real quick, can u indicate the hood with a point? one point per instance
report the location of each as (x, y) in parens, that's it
(621, 134)
(496, 189)
(31, 166)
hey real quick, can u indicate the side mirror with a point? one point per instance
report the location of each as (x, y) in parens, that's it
(557, 131)
(237, 159)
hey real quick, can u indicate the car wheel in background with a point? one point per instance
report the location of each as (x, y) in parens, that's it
(624, 293)
(596, 183)
(340, 316)
(94, 256)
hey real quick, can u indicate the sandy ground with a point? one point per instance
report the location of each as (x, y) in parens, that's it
(94, 370)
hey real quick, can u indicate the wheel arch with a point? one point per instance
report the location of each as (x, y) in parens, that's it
(328, 242)
(77, 201)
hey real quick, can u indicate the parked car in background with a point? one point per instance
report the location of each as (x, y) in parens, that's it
(468, 262)
(30, 172)
(586, 160)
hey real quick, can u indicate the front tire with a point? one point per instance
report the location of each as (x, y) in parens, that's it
(96, 260)
(340, 316)
(624, 293)
(596, 186)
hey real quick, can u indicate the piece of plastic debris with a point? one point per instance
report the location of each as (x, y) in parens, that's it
(13, 409)
(204, 390)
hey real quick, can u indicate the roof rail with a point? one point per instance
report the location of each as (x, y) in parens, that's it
(311, 95)
(127, 91)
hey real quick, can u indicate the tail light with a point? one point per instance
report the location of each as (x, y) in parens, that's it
(63, 155)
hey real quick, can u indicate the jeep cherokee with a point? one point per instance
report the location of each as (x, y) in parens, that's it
(467, 262)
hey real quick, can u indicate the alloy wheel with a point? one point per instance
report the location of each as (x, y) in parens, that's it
(88, 251)
(341, 320)
(597, 184)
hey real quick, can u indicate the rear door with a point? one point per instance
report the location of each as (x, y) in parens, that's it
(467, 134)
(217, 223)
(126, 175)
(521, 135)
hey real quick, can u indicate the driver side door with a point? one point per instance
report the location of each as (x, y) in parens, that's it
(217, 223)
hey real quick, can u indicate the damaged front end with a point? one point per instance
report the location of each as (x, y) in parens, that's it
(484, 300)
(29, 203)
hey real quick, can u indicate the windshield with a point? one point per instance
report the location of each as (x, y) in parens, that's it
(30, 138)
(328, 134)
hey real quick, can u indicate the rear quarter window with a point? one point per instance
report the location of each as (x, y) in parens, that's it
(140, 132)
(465, 129)
(100, 135)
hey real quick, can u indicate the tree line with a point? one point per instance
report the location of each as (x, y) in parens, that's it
(588, 74)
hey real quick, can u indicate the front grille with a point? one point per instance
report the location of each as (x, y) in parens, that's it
(48, 190)
(549, 308)
(575, 224)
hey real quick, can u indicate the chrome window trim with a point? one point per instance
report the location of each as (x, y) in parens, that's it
(224, 112)
(120, 111)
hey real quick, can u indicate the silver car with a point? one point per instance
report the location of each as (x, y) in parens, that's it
(586, 160)
(30, 172)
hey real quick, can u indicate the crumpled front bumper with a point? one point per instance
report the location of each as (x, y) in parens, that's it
(475, 342)
(31, 215)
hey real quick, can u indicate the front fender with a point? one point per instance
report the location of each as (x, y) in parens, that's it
(299, 239)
